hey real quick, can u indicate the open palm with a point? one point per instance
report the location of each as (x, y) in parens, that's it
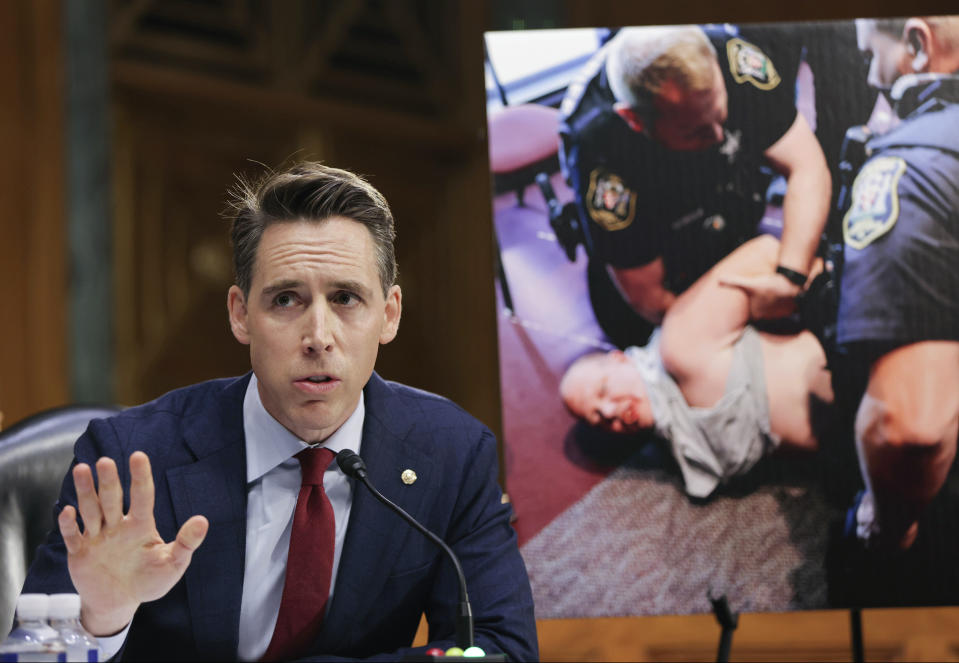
(120, 560)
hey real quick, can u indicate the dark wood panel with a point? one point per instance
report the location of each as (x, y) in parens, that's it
(173, 165)
(32, 250)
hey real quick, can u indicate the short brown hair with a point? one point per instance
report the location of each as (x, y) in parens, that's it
(893, 27)
(308, 191)
(643, 60)
(946, 30)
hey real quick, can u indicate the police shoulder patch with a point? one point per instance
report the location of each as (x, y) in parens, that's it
(610, 203)
(874, 209)
(748, 64)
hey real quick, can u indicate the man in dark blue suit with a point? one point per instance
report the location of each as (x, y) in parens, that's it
(219, 464)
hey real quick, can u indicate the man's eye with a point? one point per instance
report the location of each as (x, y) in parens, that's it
(345, 298)
(284, 299)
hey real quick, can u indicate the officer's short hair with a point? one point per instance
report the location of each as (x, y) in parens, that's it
(642, 61)
(893, 27)
(308, 191)
(946, 29)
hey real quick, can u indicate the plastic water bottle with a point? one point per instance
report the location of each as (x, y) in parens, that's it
(33, 639)
(65, 619)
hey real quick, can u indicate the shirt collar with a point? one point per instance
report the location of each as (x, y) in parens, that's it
(269, 443)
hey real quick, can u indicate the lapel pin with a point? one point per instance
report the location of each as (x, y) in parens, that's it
(408, 477)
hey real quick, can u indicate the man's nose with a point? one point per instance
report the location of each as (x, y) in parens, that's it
(718, 133)
(317, 332)
(606, 409)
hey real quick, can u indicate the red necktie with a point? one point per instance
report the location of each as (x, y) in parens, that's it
(309, 566)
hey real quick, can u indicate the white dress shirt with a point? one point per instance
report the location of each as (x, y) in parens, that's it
(272, 484)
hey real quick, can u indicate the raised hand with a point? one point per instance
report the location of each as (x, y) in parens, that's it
(120, 561)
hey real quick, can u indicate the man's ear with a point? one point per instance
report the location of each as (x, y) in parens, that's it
(236, 306)
(919, 44)
(629, 115)
(391, 314)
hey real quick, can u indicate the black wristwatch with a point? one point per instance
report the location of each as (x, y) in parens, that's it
(796, 278)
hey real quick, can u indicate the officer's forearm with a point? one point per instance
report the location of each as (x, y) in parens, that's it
(653, 307)
(805, 208)
(798, 156)
(643, 288)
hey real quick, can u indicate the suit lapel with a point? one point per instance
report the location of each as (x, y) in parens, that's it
(375, 534)
(215, 486)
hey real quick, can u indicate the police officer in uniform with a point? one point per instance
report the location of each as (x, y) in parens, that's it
(666, 137)
(899, 293)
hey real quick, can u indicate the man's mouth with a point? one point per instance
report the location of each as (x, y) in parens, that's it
(316, 384)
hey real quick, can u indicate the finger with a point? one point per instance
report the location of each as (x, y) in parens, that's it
(188, 539)
(70, 530)
(817, 266)
(87, 500)
(111, 492)
(141, 486)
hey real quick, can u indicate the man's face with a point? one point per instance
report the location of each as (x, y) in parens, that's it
(607, 391)
(888, 55)
(314, 320)
(689, 121)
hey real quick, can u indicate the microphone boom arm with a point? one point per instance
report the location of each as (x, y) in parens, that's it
(353, 466)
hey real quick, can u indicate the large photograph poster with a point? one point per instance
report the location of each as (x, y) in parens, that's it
(707, 445)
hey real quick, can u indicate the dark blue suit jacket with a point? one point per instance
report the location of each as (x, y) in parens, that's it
(389, 574)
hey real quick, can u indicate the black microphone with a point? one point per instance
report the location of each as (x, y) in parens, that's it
(354, 467)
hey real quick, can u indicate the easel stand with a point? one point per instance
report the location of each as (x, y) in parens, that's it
(855, 628)
(728, 621)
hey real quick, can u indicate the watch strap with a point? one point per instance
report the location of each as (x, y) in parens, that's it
(797, 278)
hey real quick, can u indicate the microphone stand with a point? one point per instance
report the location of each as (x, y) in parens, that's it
(728, 621)
(354, 466)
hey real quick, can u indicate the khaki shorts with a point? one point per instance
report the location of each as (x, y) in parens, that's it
(712, 445)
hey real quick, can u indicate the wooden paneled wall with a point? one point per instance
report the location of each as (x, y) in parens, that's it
(33, 269)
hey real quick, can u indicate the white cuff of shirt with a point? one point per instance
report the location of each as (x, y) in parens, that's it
(111, 644)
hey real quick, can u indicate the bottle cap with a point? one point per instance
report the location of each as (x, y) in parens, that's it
(64, 606)
(32, 606)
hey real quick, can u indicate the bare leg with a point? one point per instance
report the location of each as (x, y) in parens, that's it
(906, 429)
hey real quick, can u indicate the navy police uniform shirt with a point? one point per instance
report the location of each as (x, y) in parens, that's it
(642, 201)
(900, 278)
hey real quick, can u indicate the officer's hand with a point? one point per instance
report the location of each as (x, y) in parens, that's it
(120, 561)
(770, 295)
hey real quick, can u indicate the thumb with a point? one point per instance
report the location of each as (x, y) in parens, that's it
(188, 539)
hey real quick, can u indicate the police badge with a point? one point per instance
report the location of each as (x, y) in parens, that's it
(875, 202)
(609, 202)
(749, 64)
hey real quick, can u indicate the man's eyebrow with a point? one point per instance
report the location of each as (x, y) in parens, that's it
(292, 284)
(286, 284)
(351, 286)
